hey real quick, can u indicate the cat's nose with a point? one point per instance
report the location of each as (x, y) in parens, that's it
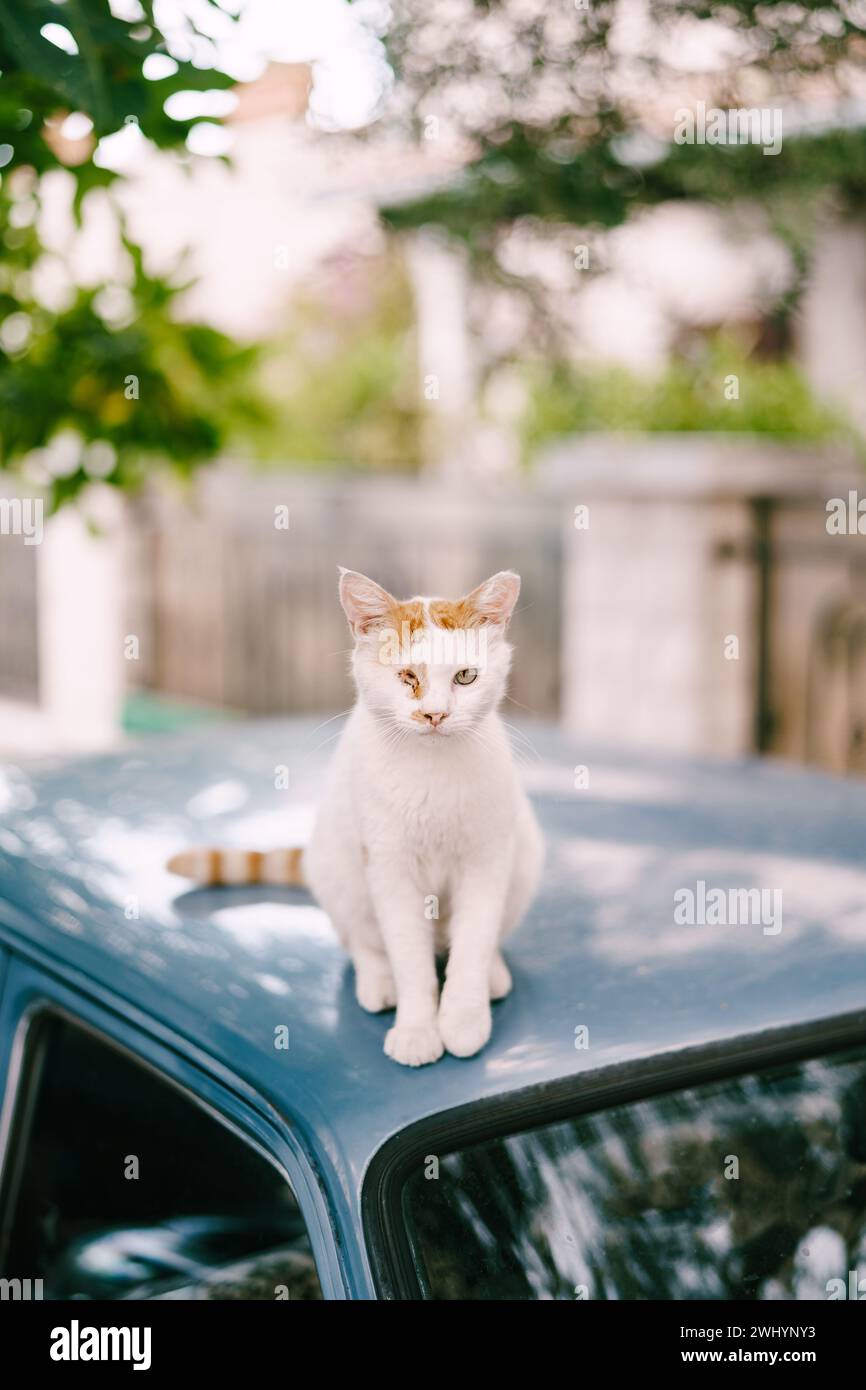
(435, 719)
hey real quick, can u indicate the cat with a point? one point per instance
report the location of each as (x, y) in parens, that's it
(425, 840)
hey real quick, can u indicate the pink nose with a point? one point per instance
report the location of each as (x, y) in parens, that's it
(435, 719)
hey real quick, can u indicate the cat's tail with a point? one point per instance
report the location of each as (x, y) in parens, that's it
(238, 866)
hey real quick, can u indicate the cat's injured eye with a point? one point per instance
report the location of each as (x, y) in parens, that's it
(466, 677)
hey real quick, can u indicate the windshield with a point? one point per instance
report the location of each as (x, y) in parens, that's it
(751, 1188)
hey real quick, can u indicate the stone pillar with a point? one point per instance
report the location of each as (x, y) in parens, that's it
(658, 631)
(678, 608)
(832, 322)
(445, 359)
(81, 666)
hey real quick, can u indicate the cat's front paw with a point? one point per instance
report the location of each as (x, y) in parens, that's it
(413, 1045)
(464, 1028)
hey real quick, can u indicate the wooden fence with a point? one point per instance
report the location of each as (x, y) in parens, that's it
(234, 611)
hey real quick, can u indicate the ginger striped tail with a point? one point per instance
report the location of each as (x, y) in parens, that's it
(208, 867)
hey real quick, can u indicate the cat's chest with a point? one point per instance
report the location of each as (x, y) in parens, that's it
(439, 811)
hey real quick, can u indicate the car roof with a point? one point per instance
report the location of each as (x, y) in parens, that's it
(82, 852)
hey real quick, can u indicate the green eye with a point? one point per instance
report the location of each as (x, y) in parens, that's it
(466, 677)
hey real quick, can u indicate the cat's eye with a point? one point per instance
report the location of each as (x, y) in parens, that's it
(408, 677)
(466, 677)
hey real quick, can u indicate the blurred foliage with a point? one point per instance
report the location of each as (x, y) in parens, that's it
(566, 116)
(108, 366)
(520, 175)
(344, 382)
(688, 395)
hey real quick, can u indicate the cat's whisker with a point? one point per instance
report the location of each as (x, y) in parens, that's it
(326, 722)
(526, 742)
(394, 733)
(520, 704)
(474, 733)
(311, 753)
(517, 730)
(330, 739)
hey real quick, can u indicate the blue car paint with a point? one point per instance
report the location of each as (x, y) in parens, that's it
(204, 979)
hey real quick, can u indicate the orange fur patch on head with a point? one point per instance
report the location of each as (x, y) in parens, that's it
(455, 616)
(491, 602)
(411, 613)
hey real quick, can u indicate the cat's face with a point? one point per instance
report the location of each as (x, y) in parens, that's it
(426, 667)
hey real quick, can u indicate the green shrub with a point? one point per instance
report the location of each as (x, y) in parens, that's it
(773, 399)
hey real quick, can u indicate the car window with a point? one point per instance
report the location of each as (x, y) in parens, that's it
(750, 1188)
(119, 1185)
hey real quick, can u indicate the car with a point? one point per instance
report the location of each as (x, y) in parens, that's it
(672, 1104)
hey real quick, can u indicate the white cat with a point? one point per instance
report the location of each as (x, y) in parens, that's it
(425, 840)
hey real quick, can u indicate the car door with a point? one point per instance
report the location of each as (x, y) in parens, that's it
(128, 1172)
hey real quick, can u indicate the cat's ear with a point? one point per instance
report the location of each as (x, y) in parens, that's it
(494, 600)
(365, 603)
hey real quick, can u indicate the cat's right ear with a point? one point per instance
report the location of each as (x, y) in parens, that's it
(365, 603)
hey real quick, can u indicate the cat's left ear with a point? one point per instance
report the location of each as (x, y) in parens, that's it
(494, 600)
